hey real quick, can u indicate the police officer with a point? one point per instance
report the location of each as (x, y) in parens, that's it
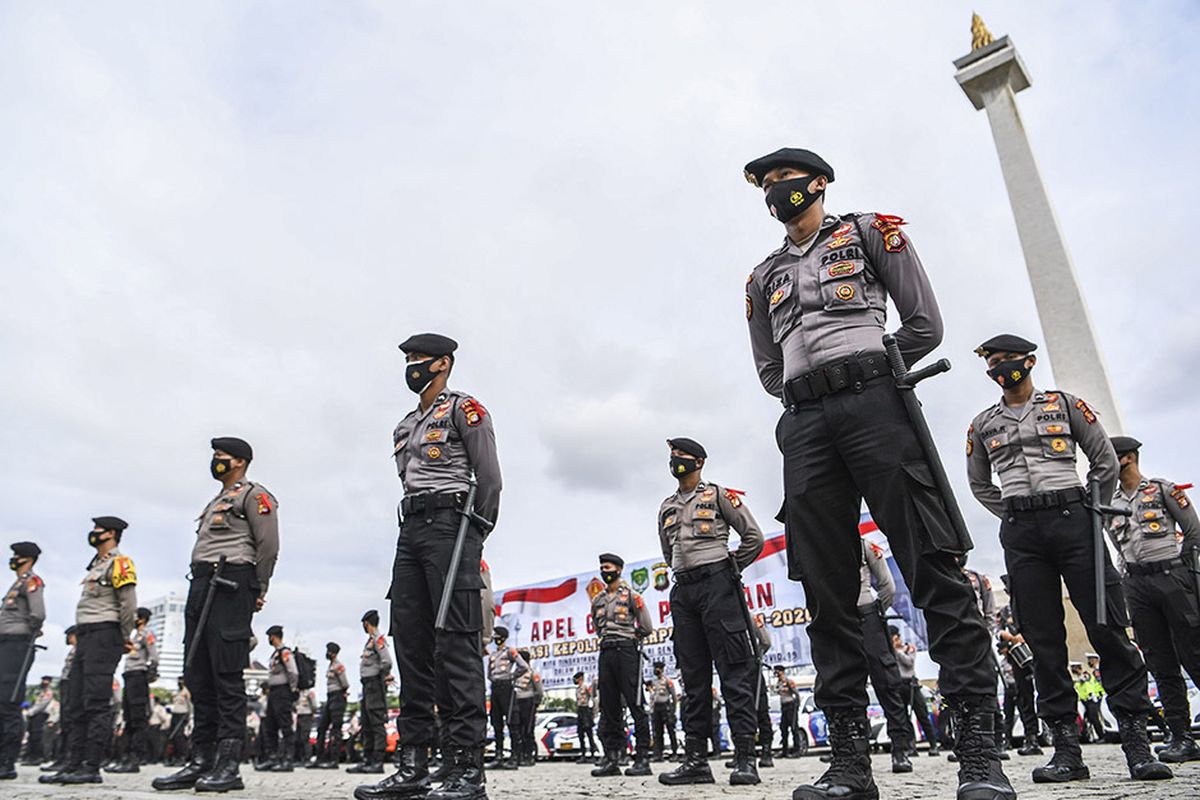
(141, 659)
(789, 704)
(880, 656)
(104, 618)
(527, 693)
(35, 720)
(1157, 542)
(21, 618)
(817, 308)
(64, 690)
(1019, 700)
(662, 716)
(375, 671)
(766, 734)
(708, 608)
(585, 719)
(278, 738)
(181, 712)
(438, 446)
(505, 664)
(329, 730)
(240, 524)
(1030, 439)
(306, 709)
(621, 620)
(906, 664)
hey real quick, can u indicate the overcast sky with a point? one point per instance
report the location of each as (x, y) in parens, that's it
(220, 219)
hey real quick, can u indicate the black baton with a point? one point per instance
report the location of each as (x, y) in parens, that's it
(905, 381)
(485, 527)
(751, 628)
(1098, 510)
(26, 663)
(215, 581)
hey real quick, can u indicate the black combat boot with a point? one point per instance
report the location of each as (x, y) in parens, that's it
(1030, 746)
(125, 766)
(745, 771)
(1067, 762)
(267, 763)
(1136, 744)
(285, 764)
(224, 776)
(8, 770)
(980, 776)
(57, 777)
(87, 772)
(641, 763)
(466, 779)
(498, 758)
(412, 779)
(609, 765)
(849, 774)
(694, 768)
(445, 767)
(765, 759)
(1182, 747)
(365, 765)
(900, 760)
(201, 763)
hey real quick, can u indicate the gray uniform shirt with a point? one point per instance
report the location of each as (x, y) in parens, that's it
(335, 678)
(1158, 509)
(505, 664)
(376, 660)
(307, 703)
(693, 528)
(906, 663)
(437, 449)
(283, 669)
(181, 703)
(874, 564)
(109, 592)
(67, 662)
(662, 690)
(786, 689)
(621, 614)
(529, 684)
(242, 524)
(810, 305)
(42, 704)
(24, 608)
(145, 651)
(1032, 449)
(585, 695)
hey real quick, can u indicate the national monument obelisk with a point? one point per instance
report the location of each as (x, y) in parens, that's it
(991, 75)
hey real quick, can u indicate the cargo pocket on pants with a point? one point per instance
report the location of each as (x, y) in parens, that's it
(939, 535)
(465, 614)
(235, 651)
(737, 648)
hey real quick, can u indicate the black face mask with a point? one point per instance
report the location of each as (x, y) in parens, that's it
(791, 198)
(1009, 373)
(94, 538)
(609, 577)
(682, 465)
(419, 374)
(220, 467)
(14, 564)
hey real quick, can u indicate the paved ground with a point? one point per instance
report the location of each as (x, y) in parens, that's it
(932, 778)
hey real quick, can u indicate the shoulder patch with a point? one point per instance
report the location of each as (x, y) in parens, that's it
(33, 584)
(876, 550)
(637, 599)
(734, 496)
(284, 655)
(380, 642)
(123, 572)
(340, 668)
(473, 411)
(888, 226)
(970, 438)
(150, 638)
(749, 307)
(1180, 496)
(1087, 412)
(264, 502)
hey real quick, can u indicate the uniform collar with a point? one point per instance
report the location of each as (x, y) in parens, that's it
(689, 495)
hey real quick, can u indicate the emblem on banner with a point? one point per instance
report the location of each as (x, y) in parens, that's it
(595, 586)
(661, 580)
(641, 579)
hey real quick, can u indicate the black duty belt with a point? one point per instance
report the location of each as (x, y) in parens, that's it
(203, 569)
(611, 644)
(697, 574)
(431, 501)
(89, 627)
(836, 376)
(1154, 567)
(1056, 499)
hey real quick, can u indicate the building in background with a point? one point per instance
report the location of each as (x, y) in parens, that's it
(166, 623)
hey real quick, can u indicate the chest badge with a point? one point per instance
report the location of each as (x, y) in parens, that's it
(844, 229)
(1058, 445)
(993, 443)
(841, 268)
(776, 296)
(435, 452)
(442, 410)
(1054, 429)
(837, 241)
(844, 292)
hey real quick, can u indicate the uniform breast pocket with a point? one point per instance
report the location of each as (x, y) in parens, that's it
(1000, 448)
(1120, 529)
(1056, 439)
(781, 308)
(843, 286)
(438, 453)
(1154, 522)
(219, 520)
(704, 522)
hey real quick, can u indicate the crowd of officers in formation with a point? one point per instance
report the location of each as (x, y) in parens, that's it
(816, 309)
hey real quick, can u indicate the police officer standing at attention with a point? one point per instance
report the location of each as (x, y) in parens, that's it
(104, 617)
(438, 446)
(708, 607)
(1156, 542)
(505, 665)
(662, 716)
(283, 681)
(789, 703)
(329, 731)
(141, 658)
(240, 525)
(1029, 439)
(375, 671)
(585, 719)
(621, 620)
(21, 618)
(817, 307)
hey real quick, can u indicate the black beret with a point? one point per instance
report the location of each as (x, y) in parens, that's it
(500, 631)
(48, 678)
(612, 558)
(658, 664)
(110, 523)
(796, 157)
(143, 613)
(430, 344)
(1005, 343)
(70, 630)
(780, 668)
(333, 647)
(893, 630)
(275, 630)
(525, 655)
(371, 617)
(577, 675)
(26, 549)
(689, 446)
(238, 448)
(1125, 444)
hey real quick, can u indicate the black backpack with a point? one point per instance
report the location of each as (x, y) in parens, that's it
(306, 666)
